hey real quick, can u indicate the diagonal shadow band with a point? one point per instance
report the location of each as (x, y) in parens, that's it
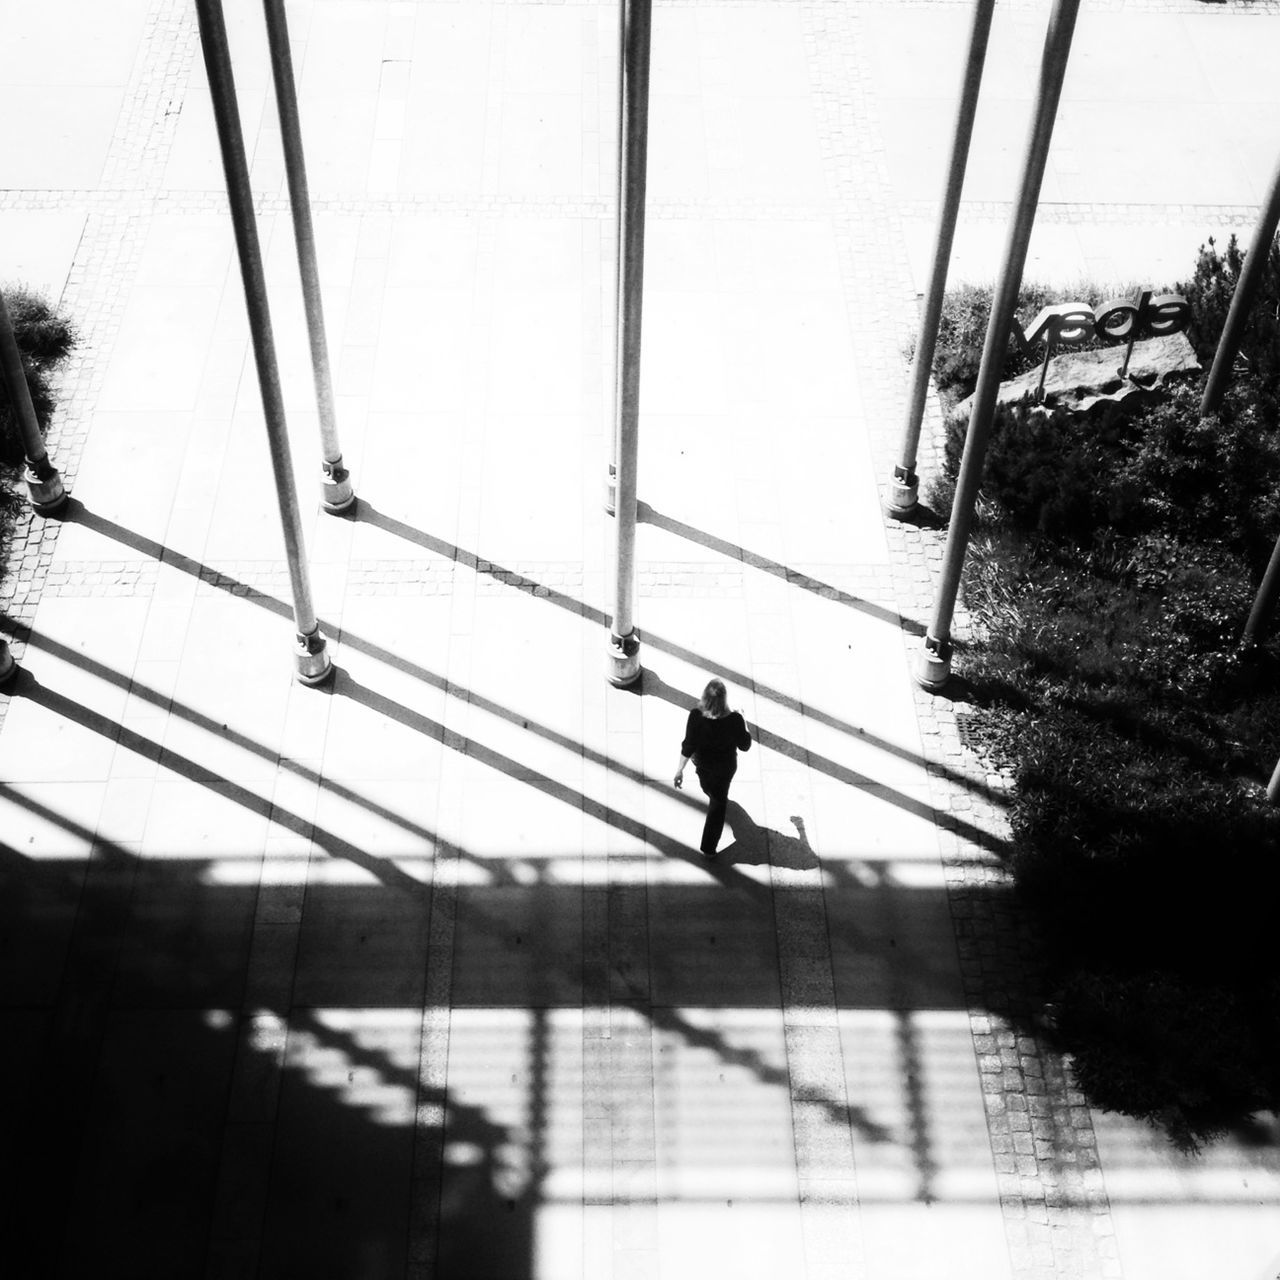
(337, 846)
(653, 684)
(248, 799)
(195, 568)
(793, 577)
(145, 693)
(369, 514)
(345, 686)
(186, 564)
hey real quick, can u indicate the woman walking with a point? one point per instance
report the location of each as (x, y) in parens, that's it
(712, 739)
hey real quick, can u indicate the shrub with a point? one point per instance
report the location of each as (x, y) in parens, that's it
(1189, 1056)
(45, 337)
(1045, 471)
(962, 331)
(1150, 882)
(1112, 566)
(1110, 589)
(1219, 474)
(1209, 291)
(1155, 469)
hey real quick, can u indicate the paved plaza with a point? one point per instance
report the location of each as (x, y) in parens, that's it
(420, 974)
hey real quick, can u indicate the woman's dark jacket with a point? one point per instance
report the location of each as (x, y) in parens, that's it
(714, 744)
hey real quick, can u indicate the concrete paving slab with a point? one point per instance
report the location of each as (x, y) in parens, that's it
(40, 247)
(66, 136)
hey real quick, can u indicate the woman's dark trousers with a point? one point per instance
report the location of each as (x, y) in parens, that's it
(715, 782)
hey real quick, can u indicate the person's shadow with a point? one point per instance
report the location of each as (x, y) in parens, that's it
(755, 845)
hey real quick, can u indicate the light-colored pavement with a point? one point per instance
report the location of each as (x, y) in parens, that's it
(422, 975)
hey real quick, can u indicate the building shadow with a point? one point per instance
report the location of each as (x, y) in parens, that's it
(158, 1136)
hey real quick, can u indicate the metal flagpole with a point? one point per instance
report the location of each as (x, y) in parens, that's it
(906, 484)
(1273, 787)
(611, 485)
(934, 664)
(1251, 273)
(624, 641)
(44, 484)
(1242, 300)
(311, 659)
(336, 492)
(1264, 602)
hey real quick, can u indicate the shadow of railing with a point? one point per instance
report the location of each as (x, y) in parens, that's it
(191, 566)
(792, 577)
(369, 514)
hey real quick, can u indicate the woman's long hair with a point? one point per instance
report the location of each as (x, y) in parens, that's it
(715, 700)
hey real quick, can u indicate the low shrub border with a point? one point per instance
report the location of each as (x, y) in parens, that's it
(1110, 574)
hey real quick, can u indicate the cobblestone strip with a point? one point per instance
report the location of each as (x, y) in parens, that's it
(105, 261)
(1250, 8)
(1056, 1215)
(710, 209)
(1245, 8)
(858, 585)
(1072, 213)
(1068, 213)
(148, 118)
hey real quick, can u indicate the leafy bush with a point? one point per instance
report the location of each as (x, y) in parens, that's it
(1209, 291)
(1155, 469)
(1219, 474)
(1042, 470)
(1150, 877)
(1189, 1056)
(1111, 570)
(45, 337)
(962, 332)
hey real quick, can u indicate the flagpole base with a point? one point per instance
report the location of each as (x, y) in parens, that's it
(45, 488)
(311, 658)
(623, 668)
(904, 491)
(933, 664)
(336, 493)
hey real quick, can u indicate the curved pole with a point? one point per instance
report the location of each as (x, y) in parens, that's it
(906, 484)
(934, 667)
